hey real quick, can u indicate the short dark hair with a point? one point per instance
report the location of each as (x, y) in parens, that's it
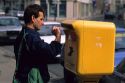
(32, 9)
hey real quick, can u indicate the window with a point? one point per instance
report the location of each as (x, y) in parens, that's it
(9, 21)
(53, 10)
(120, 39)
(44, 6)
(62, 10)
(54, 6)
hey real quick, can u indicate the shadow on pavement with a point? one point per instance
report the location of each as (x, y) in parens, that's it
(6, 43)
(57, 81)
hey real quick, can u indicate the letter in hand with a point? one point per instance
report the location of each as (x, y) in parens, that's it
(56, 31)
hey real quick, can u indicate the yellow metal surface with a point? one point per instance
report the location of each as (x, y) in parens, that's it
(89, 48)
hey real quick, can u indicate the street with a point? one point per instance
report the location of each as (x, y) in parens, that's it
(7, 67)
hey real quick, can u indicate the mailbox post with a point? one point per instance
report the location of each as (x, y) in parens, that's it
(89, 49)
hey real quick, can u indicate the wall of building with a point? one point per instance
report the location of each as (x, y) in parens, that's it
(75, 9)
(27, 2)
(70, 7)
(1, 5)
(78, 9)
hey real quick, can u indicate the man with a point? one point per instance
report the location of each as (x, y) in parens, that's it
(32, 53)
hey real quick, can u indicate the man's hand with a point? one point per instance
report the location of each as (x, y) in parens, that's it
(56, 31)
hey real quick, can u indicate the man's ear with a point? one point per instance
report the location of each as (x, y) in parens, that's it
(33, 18)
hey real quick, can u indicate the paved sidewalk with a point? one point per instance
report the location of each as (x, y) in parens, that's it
(7, 67)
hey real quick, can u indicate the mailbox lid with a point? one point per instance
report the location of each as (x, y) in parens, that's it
(96, 47)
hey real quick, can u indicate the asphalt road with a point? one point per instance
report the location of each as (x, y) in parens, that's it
(7, 67)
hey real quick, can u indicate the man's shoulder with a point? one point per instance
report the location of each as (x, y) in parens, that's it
(31, 32)
(32, 36)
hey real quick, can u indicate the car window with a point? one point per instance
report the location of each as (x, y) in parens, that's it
(119, 24)
(9, 22)
(120, 41)
(47, 29)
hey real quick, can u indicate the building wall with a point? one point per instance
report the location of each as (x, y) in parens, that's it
(27, 2)
(55, 10)
(113, 7)
(70, 10)
(110, 5)
(75, 9)
(100, 6)
(84, 9)
(37, 2)
(78, 9)
(1, 4)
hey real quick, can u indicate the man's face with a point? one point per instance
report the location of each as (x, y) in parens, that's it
(38, 22)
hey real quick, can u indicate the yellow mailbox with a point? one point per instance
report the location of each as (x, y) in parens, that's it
(89, 48)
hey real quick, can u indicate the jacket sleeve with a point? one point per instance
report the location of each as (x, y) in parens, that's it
(42, 50)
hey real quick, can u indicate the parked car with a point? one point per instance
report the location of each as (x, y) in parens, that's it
(2, 12)
(9, 28)
(47, 35)
(120, 46)
(118, 23)
(20, 14)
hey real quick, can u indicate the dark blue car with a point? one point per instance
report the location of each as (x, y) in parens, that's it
(120, 46)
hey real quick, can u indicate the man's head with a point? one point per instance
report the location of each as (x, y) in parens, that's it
(34, 15)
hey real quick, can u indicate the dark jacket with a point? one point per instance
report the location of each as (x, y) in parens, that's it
(32, 52)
